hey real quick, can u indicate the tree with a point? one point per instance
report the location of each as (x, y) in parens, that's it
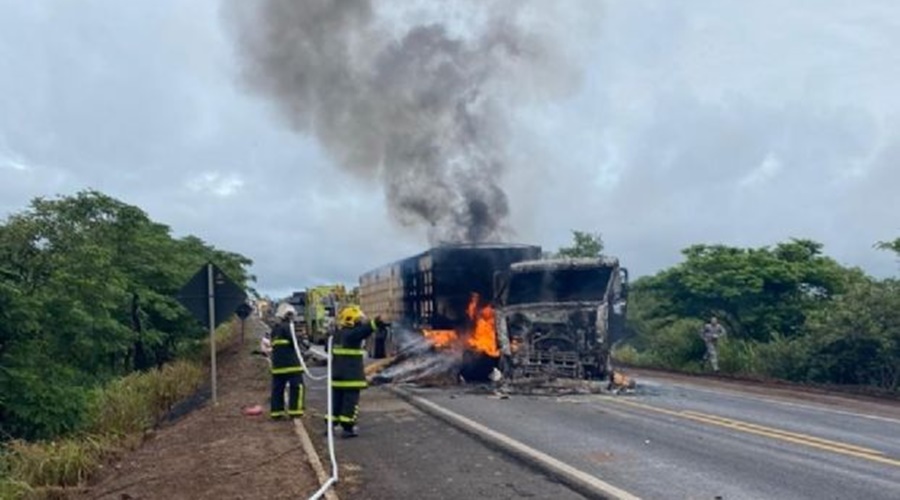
(893, 246)
(585, 244)
(757, 292)
(87, 287)
(792, 313)
(856, 340)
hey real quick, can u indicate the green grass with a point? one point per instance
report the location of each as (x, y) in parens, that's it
(118, 415)
(134, 403)
(66, 462)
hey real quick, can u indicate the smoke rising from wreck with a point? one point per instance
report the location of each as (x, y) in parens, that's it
(420, 107)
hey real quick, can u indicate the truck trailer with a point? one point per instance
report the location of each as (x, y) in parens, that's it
(433, 290)
(551, 317)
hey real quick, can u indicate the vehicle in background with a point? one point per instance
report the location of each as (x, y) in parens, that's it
(323, 303)
(299, 301)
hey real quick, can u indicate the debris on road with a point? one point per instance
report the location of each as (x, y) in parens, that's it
(619, 383)
(252, 411)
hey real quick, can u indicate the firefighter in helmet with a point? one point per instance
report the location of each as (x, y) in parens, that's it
(287, 372)
(347, 371)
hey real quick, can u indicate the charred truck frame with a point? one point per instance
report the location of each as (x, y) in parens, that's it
(560, 317)
(550, 317)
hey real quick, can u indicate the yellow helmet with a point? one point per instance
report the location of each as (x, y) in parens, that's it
(349, 316)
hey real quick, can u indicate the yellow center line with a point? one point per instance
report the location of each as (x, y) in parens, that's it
(779, 434)
(805, 437)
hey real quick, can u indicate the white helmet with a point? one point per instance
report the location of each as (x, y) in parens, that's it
(284, 309)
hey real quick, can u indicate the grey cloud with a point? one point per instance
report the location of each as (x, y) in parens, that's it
(661, 142)
(682, 126)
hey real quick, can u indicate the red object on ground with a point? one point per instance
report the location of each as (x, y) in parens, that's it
(252, 411)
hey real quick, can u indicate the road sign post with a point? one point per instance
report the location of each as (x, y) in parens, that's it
(212, 298)
(211, 291)
(243, 311)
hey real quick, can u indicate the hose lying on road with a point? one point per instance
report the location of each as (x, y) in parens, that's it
(334, 468)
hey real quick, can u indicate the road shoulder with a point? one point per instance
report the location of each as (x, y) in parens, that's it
(216, 451)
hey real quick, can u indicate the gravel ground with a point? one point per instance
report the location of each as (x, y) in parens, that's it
(216, 452)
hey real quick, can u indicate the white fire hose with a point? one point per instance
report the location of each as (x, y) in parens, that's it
(303, 362)
(334, 468)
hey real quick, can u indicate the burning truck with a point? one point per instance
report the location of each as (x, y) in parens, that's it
(472, 309)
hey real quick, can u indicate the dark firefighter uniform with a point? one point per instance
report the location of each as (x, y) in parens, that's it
(348, 375)
(286, 372)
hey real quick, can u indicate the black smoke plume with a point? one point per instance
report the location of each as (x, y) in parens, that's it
(419, 106)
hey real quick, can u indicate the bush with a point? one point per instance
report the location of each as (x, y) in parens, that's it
(679, 345)
(66, 462)
(737, 356)
(134, 403)
(13, 489)
(117, 413)
(40, 404)
(628, 355)
(783, 358)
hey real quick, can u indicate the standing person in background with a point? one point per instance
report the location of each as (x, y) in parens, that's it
(348, 375)
(711, 333)
(287, 372)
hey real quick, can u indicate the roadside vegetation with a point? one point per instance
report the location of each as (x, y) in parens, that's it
(94, 348)
(790, 312)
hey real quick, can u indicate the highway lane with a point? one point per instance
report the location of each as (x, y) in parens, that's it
(690, 440)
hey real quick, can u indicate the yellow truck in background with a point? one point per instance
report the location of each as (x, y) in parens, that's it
(322, 306)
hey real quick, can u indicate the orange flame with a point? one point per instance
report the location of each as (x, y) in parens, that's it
(483, 337)
(440, 338)
(480, 336)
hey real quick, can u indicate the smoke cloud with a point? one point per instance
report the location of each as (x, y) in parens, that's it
(423, 107)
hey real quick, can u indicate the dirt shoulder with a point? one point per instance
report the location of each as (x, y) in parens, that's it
(216, 451)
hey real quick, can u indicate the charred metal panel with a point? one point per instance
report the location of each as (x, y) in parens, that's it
(459, 271)
(432, 289)
(559, 316)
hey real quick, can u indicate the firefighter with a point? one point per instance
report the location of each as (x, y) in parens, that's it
(286, 368)
(347, 371)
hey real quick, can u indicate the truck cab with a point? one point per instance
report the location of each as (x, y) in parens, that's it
(559, 317)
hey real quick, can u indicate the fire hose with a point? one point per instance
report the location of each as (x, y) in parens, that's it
(334, 468)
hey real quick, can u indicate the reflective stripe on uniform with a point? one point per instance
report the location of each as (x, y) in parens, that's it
(349, 384)
(281, 342)
(298, 410)
(343, 351)
(289, 369)
(277, 414)
(339, 418)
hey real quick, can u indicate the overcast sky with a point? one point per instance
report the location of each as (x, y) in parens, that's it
(737, 122)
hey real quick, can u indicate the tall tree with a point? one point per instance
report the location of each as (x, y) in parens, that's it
(87, 287)
(585, 244)
(758, 292)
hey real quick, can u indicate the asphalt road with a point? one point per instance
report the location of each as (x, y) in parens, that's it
(686, 439)
(404, 453)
